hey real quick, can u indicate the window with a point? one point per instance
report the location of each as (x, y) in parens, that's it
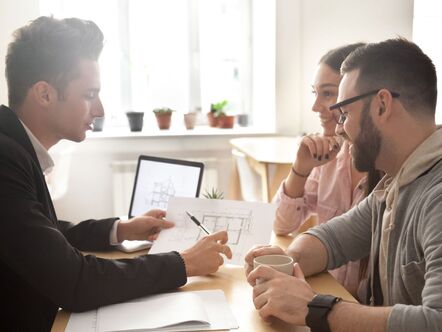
(182, 54)
(427, 21)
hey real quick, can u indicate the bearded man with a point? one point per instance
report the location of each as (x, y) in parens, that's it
(387, 101)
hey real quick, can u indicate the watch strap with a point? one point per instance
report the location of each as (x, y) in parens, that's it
(318, 309)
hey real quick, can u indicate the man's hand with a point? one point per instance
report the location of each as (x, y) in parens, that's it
(280, 295)
(205, 256)
(260, 251)
(145, 227)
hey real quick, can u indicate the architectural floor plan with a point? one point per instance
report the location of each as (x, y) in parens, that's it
(247, 224)
(160, 194)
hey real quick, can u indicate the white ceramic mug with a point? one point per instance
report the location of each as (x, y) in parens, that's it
(280, 263)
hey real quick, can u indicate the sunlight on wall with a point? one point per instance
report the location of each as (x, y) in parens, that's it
(426, 23)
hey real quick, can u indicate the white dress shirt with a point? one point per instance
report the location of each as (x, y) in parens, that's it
(47, 164)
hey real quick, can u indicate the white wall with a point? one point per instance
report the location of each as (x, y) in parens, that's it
(426, 22)
(307, 29)
(90, 176)
(13, 14)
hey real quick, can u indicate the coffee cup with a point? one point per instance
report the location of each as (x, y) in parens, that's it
(281, 263)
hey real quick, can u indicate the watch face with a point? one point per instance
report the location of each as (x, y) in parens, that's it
(324, 301)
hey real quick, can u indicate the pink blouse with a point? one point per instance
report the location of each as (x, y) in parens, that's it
(327, 193)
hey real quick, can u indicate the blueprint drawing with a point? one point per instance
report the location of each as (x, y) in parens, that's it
(247, 224)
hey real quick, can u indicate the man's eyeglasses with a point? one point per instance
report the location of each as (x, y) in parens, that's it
(343, 115)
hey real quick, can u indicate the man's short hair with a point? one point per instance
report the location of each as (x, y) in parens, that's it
(49, 50)
(397, 65)
(335, 57)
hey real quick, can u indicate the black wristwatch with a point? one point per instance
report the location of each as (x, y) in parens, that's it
(318, 309)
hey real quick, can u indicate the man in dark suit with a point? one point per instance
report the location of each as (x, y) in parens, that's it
(54, 83)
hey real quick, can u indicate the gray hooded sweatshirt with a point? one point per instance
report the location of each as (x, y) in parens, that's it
(412, 266)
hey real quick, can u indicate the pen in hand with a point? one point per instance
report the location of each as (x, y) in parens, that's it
(200, 225)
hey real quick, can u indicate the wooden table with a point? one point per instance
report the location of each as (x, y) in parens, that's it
(263, 154)
(232, 281)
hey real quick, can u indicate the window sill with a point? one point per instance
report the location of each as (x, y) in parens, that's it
(198, 131)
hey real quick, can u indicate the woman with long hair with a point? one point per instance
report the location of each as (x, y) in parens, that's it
(323, 180)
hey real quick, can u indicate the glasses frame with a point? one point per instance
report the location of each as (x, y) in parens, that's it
(343, 115)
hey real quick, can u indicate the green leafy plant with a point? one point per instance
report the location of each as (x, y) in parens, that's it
(219, 108)
(215, 193)
(163, 110)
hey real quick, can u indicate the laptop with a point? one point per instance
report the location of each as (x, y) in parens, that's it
(156, 180)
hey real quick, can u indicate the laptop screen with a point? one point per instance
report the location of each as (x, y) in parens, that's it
(158, 179)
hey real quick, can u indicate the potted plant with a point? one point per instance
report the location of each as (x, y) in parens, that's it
(224, 120)
(215, 193)
(215, 109)
(164, 117)
(221, 119)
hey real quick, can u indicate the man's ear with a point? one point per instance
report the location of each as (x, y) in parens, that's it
(385, 105)
(43, 93)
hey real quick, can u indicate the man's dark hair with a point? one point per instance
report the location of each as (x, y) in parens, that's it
(335, 57)
(397, 65)
(49, 50)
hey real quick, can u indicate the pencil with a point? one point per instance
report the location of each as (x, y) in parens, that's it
(200, 225)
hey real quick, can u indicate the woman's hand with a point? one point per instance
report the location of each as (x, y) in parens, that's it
(316, 150)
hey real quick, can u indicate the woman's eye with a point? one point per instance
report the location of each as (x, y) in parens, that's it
(329, 94)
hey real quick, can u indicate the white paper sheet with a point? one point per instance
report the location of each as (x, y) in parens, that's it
(188, 311)
(166, 310)
(82, 321)
(247, 224)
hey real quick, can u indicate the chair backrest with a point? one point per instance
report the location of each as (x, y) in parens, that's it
(249, 180)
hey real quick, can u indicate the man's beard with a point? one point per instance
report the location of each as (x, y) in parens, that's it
(367, 145)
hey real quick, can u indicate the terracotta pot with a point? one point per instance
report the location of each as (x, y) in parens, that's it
(164, 120)
(189, 120)
(213, 120)
(226, 121)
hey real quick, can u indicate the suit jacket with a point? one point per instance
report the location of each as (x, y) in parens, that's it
(41, 266)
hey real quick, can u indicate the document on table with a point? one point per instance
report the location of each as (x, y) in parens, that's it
(180, 311)
(247, 224)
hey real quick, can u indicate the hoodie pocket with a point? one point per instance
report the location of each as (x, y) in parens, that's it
(413, 277)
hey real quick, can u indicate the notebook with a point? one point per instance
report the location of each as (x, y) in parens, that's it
(156, 180)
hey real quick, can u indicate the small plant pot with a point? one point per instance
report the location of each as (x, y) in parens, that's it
(213, 120)
(163, 120)
(97, 124)
(135, 120)
(226, 121)
(189, 120)
(243, 120)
